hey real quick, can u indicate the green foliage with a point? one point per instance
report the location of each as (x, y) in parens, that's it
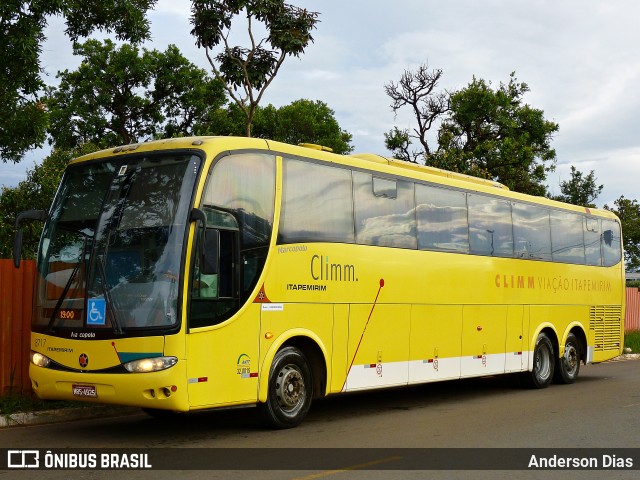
(119, 95)
(485, 132)
(302, 121)
(580, 190)
(493, 134)
(632, 341)
(398, 142)
(15, 403)
(247, 71)
(628, 211)
(22, 24)
(34, 193)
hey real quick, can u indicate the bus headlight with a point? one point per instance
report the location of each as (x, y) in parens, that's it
(155, 364)
(40, 360)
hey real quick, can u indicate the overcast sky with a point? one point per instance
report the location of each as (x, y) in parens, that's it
(579, 57)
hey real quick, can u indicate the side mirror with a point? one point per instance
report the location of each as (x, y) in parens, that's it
(211, 252)
(39, 215)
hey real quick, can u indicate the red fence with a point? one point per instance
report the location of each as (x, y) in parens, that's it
(16, 300)
(632, 317)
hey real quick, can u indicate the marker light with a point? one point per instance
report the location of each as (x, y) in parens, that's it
(145, 365)
(40, 360)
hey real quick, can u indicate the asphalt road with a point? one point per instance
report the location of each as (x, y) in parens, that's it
(601, 410)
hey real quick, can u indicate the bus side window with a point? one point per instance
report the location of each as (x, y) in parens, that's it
(531, 231)
(317, 203)
(592, 247)
(442, 219)
(227, 280)
(384, 211)
(611, 250)
(567, 237)
(214, 296)
(490, 228)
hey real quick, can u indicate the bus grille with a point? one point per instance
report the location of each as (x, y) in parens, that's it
(606, 322)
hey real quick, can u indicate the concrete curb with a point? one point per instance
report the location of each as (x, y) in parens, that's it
(64, 415)
(626, 356)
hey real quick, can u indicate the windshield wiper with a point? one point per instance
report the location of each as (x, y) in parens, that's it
(67, 286)
(115, 322)
(52, 319)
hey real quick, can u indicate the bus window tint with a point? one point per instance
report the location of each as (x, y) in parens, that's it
(442, 219)
(245, 183)
(381, 218)
(531, 232)
(592, 248)
(567, 238)
(490, 231)
(317, 204)
(611, 252)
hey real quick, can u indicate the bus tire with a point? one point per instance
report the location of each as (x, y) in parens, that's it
(568, 365)
(543, 364)
(290, 389)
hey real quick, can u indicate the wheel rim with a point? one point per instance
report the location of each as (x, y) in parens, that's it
(571, 359)
(290, 389)
(543, 363)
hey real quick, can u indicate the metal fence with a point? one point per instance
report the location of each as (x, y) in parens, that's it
(16, 300)
(632, 317)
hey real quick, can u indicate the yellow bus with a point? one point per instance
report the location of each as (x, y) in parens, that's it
(197, 273)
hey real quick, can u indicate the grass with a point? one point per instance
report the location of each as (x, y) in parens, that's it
(632, 341)
(14, 403)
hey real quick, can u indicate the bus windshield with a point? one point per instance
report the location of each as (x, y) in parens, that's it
(111, 251)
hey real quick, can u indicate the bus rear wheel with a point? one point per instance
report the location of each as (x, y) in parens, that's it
(568, 365)
(543, 364)
(290, 389)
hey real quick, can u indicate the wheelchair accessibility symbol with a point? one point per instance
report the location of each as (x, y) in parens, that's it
(96, 314)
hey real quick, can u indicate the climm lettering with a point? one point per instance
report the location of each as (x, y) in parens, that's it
(555, 284)
(515, 281)
(323, 269)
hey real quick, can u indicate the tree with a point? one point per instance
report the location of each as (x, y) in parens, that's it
(493, 134)
(628, 211)
(302, 121)
(22, 24)
(417, 91)
(398, 142)
(247, 72)
(34, 193)
(580, 190)
(119, 95)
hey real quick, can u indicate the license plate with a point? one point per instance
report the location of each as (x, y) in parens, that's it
(85, 390)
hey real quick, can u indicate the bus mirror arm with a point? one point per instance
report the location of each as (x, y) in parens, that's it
(211, 244)
(40, 215)
(198, 215)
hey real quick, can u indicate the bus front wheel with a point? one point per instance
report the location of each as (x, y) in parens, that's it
(543, 364)
(568, 365)
(290, 389)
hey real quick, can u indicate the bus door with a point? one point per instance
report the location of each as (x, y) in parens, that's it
(222, 347)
